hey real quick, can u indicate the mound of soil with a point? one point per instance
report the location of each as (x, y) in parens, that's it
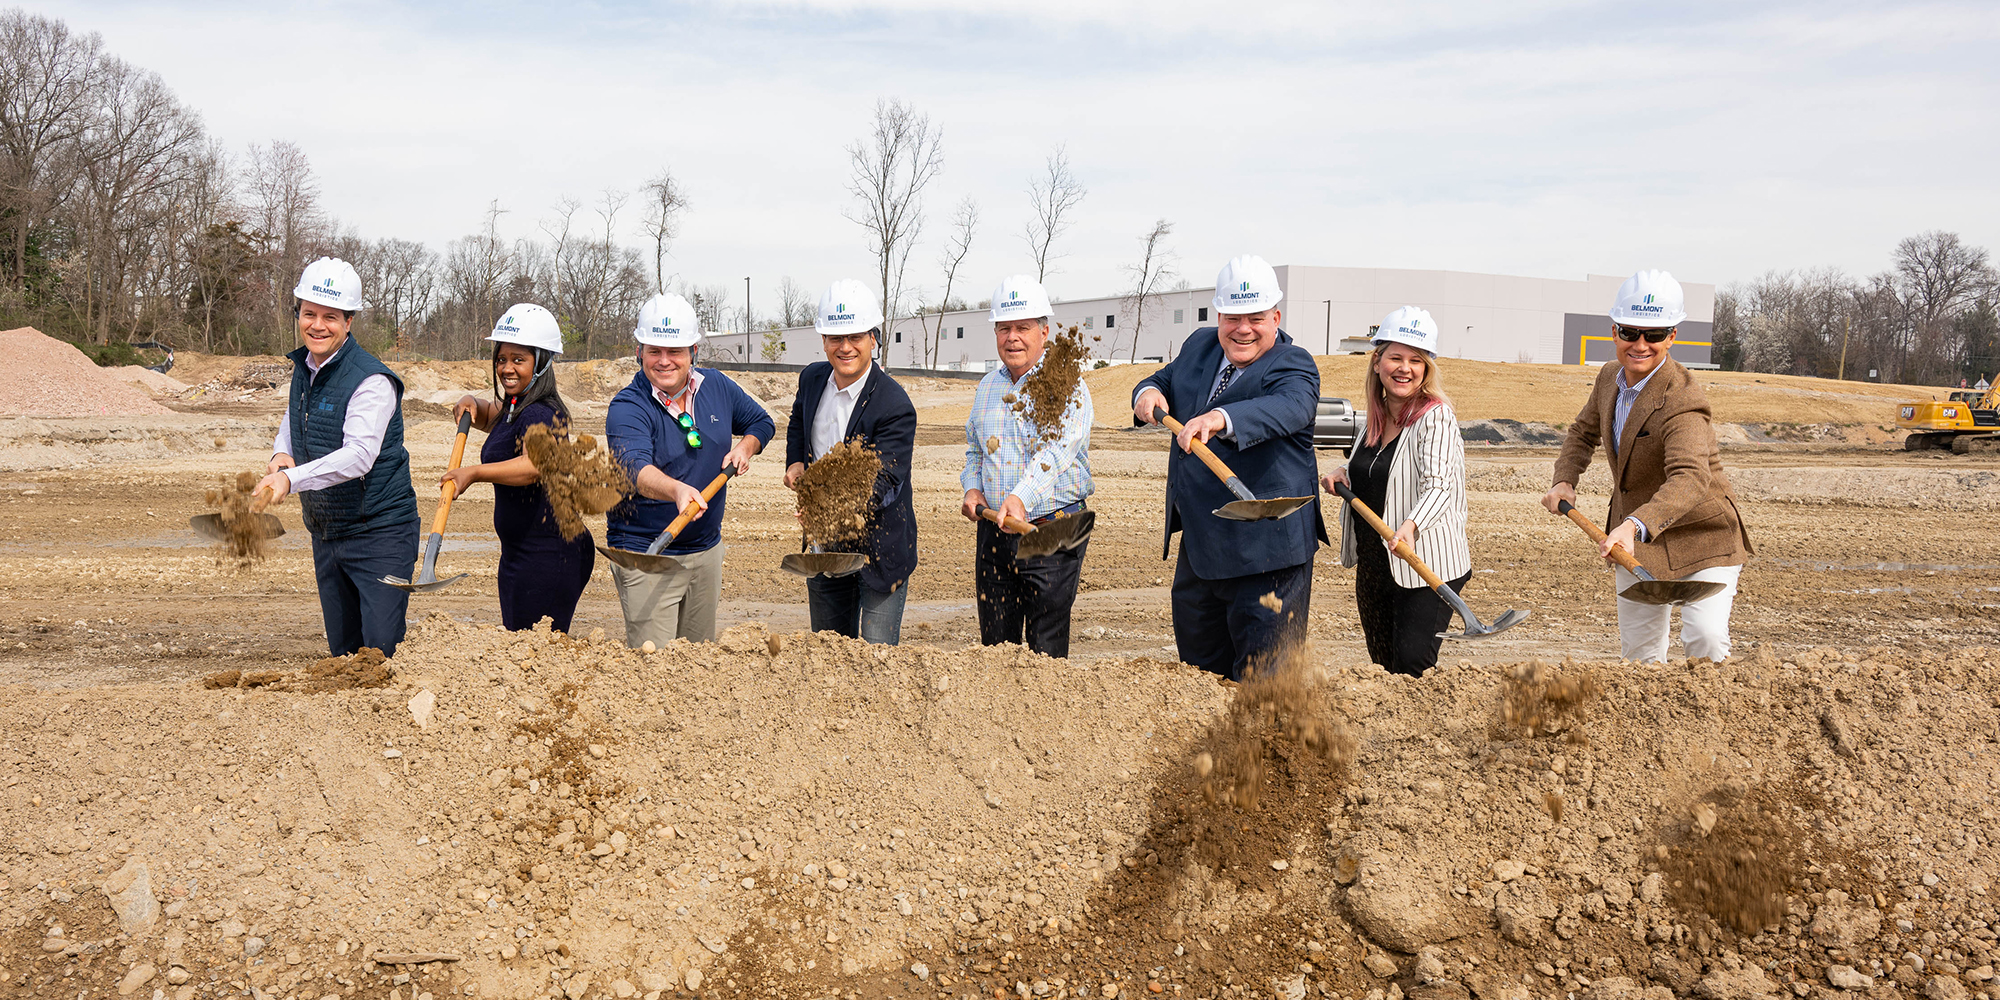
(579, 477)
(365, 669)
(530, 814)
(837, 493)
(45, 377)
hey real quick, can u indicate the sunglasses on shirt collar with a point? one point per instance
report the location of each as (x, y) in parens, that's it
(1631, 334)
(686, 420)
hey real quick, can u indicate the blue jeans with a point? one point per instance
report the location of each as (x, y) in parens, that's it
(359, 609)
(842, 604)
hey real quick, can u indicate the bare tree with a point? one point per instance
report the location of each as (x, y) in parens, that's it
(794, 302)
(665, 201)
(900, 157)
(1053, 194)
(46, 91)
(1154, 269)
(958, 242)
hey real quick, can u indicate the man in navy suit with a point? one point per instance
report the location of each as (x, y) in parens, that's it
(1243, 387)
(848, 396)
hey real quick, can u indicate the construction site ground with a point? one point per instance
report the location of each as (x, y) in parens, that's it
(781, 814)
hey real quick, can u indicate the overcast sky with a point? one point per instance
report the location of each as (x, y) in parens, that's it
(1716, 140)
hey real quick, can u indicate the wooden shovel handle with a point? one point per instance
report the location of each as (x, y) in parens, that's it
(1618, 553)
(708, 493)
(1014, 524)
(261, 500)
(451, 485)
(1403, 551)
(1200, 450)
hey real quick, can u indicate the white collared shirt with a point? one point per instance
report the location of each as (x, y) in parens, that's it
(836, 407)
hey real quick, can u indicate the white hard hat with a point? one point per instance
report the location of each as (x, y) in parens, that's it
(1410, 325)
(330, 281)
(528, 325)
(1649, 299)
(846, 307)
(1020, 296)
(667, 320)
(1247, 285)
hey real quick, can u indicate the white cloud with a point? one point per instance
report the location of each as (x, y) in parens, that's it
(1552, 139)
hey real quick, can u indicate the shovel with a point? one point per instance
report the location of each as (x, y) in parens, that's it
(210, 526)
(1650, 589)
(427, 580)
(651, 561)
(1246, 506)
(1046, 538)
(816, 562)
(1474, 629)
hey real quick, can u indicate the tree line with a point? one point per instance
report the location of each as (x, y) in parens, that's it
(1930, 319)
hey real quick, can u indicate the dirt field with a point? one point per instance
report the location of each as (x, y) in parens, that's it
(788, 815)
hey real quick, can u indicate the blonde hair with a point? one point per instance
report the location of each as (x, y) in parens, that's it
(1430, 392)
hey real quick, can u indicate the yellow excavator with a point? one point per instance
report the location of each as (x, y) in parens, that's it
(1966, 421)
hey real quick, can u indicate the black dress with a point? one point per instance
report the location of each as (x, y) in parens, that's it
(541, 575)
(1401, 624)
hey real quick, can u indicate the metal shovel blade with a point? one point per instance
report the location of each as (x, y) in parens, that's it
(1672, 591)
(1474, 628)
(210, 526)
(642, 561)
(427, 577)
(823, 563)
(1056, 535)
(1262, 510)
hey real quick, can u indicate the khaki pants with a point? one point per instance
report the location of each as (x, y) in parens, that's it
(679, 603)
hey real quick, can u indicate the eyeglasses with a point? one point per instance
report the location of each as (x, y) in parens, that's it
(686, 420)
(1631, 334)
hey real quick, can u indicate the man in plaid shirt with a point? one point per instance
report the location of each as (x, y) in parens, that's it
(1036, 479)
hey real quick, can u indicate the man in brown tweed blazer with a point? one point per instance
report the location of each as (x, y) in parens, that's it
(1671, 505)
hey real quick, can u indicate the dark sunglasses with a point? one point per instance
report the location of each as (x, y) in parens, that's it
(686, 420)
(1631, 334)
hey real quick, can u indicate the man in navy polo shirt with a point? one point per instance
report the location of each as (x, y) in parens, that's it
(671, 429)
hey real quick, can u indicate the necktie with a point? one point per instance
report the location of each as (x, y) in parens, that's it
(1227, 374)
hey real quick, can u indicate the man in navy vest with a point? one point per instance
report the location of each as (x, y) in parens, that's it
(671, 429)
(849, 396)
(340, 448)
(1243, 387)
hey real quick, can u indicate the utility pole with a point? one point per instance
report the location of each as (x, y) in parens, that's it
(1329, 325)
(1845, 322)
(746, 318)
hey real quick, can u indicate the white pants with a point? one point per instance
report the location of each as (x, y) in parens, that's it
(1643, 628)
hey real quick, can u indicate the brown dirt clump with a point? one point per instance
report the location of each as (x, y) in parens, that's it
(365, 669)
(1051, 388)
(248, 539)
(837, 493)
(578, 476)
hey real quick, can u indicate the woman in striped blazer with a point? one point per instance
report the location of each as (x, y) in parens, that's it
(1409, 467)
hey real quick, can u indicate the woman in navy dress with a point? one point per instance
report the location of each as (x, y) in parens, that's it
(541, 574)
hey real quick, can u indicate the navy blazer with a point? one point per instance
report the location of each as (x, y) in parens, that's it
(885, 419)
(1272, 404)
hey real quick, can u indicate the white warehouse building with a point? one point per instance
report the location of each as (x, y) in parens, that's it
(1485, 317)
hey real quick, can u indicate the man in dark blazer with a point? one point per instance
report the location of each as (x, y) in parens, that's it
(849, 396)
(1241, 588)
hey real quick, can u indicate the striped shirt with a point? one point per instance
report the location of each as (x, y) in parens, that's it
(1426, 485)
(1005, 453)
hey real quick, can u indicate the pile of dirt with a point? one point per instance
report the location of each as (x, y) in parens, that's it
(155, 382)
(837, 493)
(579, 477)
(531, 814)
(249, 536)
(44, 377)
(1050, 390)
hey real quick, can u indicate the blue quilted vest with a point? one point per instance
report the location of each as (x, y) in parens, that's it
(383, 497)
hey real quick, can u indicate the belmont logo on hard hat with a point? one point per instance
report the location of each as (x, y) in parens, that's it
(836, 318)
(1649, 299)
(1020, 296)
(1412, 326)
(1247, 285)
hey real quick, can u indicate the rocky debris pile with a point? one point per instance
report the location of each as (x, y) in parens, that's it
(45, 377)
(529, 814)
